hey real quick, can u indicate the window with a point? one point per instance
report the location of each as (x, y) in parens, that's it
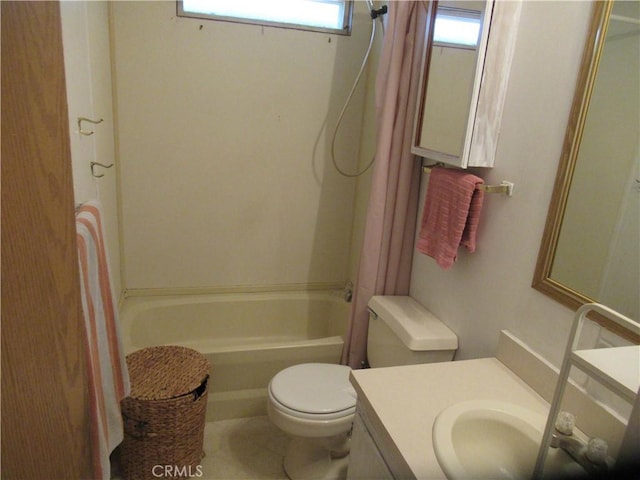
(457, 27)
(333, 16)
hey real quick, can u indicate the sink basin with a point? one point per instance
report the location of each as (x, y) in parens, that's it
(484, 439)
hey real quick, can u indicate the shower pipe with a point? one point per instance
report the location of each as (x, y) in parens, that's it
(374, 14)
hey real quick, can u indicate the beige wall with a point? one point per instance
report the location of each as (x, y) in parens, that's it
(367, 152)
(490, 289)
(211, 173)
(226, 176)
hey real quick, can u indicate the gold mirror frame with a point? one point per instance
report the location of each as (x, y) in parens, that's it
(542, 280)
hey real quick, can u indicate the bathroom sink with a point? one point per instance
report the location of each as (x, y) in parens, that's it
(484, 439)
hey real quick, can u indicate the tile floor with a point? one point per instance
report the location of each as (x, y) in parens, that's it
(240, 449)
(246, 448)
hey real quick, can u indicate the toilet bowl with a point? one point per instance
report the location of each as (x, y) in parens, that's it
(315, 403)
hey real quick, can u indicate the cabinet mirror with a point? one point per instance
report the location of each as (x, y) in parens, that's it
(465, 70)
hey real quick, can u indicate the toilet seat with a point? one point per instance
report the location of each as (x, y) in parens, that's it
(315, 391)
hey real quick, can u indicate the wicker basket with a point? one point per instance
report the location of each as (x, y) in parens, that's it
(164, 416)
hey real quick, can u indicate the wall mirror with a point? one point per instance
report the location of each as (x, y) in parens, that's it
(591, 244)
(465, 69)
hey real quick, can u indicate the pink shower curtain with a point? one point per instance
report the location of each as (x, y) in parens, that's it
(385, 262)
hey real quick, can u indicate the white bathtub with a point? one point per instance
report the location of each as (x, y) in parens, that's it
(247, 338)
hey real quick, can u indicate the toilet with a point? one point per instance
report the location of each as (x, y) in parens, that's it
(315, 403)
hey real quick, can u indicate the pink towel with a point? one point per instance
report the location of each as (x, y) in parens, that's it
(108, 375)
(451, 214)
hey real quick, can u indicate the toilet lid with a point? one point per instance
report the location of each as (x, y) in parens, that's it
(318, 388)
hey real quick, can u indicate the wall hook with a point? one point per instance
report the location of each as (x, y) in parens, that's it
(94, 164)
(85, 119)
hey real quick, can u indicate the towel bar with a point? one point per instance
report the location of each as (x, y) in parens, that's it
(505, 187)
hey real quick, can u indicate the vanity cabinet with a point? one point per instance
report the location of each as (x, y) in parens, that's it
(365, 460)
(463, 88)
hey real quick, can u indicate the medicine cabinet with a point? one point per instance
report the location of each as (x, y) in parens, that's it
(463, 84)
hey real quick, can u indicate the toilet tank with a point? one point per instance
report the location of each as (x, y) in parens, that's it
(403, 332)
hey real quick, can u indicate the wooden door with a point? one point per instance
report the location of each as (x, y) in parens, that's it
(45, 431)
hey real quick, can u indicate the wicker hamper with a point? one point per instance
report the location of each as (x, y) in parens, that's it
(164, 416)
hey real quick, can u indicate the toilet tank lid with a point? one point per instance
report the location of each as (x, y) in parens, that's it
(417, 327)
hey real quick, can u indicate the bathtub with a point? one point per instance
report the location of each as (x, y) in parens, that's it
(247, 338)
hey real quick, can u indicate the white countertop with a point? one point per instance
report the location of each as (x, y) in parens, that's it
(400, 404)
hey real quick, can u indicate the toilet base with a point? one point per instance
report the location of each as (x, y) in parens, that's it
(317, 458)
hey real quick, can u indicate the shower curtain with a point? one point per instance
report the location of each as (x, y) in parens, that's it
(385, 262)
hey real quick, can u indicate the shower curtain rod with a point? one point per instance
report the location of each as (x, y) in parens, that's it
(624, 19)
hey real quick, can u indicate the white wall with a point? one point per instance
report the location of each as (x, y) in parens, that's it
(226, 178)
(85, 29)
(490, 289)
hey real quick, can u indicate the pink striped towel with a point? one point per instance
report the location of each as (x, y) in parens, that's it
(451, 214)
(108, 375)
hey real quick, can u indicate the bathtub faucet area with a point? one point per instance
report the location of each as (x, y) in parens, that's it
(348, 292)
